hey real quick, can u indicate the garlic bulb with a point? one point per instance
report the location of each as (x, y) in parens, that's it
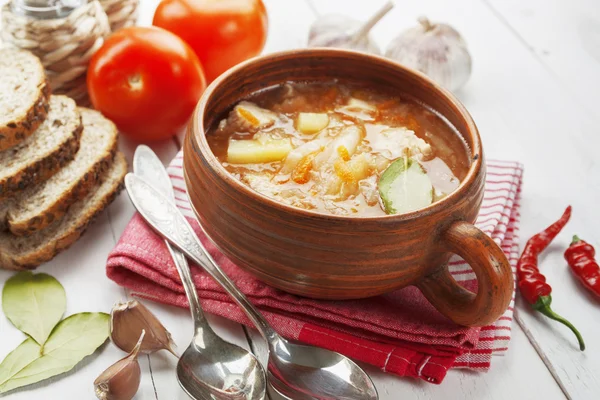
(127, 320)
(437, 50)
(121, 380)
(347, 33)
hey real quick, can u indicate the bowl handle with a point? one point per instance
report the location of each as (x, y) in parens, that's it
(494, 277)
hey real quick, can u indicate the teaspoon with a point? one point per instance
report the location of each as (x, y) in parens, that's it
(210, 368)
(310, 370)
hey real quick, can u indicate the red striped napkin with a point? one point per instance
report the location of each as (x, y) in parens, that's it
(400, 332)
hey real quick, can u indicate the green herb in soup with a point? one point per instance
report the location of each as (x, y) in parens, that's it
(340, 149)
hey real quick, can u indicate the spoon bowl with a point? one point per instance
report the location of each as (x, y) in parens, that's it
(319, 372)
(229, 373)
(279, 391)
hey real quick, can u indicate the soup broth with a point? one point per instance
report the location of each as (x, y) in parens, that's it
(340, 149)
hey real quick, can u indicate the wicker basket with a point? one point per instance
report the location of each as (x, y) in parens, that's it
(65, 45)
(121, 13)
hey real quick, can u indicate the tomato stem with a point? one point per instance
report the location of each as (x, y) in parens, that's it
(135, 82)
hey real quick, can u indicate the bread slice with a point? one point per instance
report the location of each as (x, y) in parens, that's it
(24, 94)
(19, 253)
(44, 153)
(37, 207)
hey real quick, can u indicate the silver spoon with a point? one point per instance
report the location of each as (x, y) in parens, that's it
(148, 166)
(310, 370)
(210, 368)
(279, 391)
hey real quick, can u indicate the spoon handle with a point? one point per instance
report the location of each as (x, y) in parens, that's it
(164, 217)
(183, 268)
(148, 166)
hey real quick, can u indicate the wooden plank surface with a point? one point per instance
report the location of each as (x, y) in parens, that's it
(564, 38)
(526, 111)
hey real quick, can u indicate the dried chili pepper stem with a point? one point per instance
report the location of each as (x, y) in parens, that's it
(532, 283)
(580, 256)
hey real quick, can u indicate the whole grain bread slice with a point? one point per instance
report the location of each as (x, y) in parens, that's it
(19, 253)
(44, 153)
(37, 207)
(24, 95)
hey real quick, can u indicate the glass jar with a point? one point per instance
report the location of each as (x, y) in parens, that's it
(45, 9)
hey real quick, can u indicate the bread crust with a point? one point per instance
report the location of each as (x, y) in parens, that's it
(77, 192)
(42, 169)
(21, 128)
(51, 248)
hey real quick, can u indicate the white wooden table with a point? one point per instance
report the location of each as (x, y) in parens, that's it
(534, 94)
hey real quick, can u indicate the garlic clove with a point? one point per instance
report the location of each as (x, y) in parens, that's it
(347, 33)
(337, 31)
(439, 29)
(121, 380)
(128, 320)
(437, 50)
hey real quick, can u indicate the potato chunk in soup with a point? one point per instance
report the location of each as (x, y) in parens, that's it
(324, 147)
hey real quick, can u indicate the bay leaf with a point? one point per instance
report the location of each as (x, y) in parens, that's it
(74, 338)
(34, 303)
(27, 352)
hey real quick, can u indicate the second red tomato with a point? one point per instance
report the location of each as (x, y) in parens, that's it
(223, 33)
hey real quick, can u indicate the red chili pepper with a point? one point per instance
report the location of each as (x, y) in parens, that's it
(532, 283)
(580, 256)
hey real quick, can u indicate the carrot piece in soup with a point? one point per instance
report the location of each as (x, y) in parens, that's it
(343, 152)
(343, 171)
(247, 115)
(301, 173)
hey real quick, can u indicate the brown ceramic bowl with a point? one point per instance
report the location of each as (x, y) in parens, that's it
(341, 257)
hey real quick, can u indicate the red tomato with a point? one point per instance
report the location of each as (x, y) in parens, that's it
(223, 33)
(147, 81)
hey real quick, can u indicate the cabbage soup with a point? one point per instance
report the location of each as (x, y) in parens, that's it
(341, 149)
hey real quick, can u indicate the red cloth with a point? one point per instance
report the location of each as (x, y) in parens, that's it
(400, 332)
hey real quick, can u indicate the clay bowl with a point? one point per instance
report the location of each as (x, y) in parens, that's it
(341, 257)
